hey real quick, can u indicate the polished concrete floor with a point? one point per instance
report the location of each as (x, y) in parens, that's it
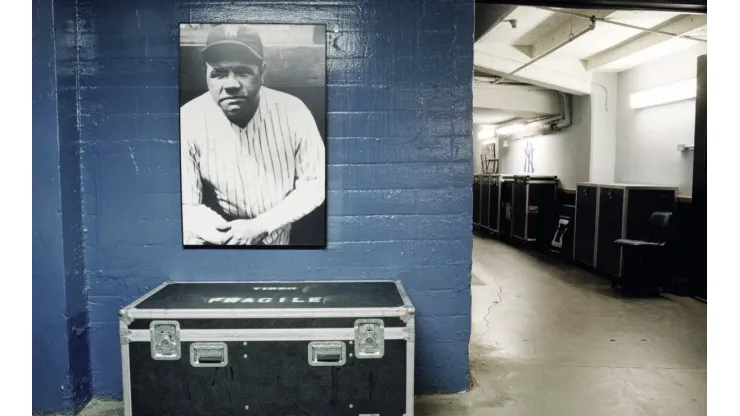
(551, 339)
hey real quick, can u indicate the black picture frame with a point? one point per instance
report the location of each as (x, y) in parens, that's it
(295, 59)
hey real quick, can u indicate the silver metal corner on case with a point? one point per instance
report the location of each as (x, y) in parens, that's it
(125, 336)
(410, 333)
(125, 317)
(410, 313)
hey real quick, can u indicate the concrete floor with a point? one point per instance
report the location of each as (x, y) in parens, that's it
(552, 339)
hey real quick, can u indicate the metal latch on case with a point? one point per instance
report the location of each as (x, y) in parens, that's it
(369, 338)
(165, 340)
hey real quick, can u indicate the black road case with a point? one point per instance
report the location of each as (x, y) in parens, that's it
(504, 206)
(485, 201)
(624, 211)
(534, 201)
(587, 206)
(476, 200)
(269, 348)
(495, 205)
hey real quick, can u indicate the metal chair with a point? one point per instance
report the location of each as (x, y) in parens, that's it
(645, 261)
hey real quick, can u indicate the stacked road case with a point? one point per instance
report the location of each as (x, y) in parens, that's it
(476, 200)
(506, 186)
(587, 207)
(485, 200)
(491, 202)
(534, 200)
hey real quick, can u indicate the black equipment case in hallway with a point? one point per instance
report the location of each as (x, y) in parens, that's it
(486, 183)
(624, 211)
(608, 212)
(497, 203)
(504, 206)
(489, 199)
(587, 207)
(534, 201)
(269, 348)
(476, 199)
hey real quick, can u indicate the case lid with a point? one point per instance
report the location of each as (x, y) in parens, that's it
(258, 297)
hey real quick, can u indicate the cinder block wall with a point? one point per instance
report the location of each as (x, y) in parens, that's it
(61, 353)
(399, 148)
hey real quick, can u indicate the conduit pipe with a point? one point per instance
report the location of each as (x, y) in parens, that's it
(574, 37)
(567, 114)
(549, 125)
(644, 29)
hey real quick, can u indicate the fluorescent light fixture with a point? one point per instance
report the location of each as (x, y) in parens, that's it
(512, 129)
(671, 93)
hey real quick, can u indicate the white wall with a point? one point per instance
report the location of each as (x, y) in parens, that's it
(478, 149)
(647, 138)
(604, 96)
(565, 154)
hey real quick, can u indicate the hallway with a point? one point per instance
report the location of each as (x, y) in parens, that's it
(552, 339)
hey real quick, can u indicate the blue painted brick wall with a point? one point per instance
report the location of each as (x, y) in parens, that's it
(65, 26)
(61, 365)
(399, 145)
(50, 360)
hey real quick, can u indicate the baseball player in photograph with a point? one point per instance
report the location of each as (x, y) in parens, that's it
(255, 151)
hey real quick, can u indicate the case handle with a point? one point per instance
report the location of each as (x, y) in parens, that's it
(209, 354)
(327, 353)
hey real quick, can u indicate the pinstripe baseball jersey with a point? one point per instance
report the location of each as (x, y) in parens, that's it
(272, 169)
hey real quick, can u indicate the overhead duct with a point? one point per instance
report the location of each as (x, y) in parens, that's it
(549, 125)
(567, 119)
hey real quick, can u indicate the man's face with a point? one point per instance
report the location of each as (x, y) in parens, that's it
(234, 85)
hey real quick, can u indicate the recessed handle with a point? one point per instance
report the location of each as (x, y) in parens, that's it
(327, 353)
(209, 354)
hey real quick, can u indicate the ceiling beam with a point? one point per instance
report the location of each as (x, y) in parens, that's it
(681, 24)
(683, 6)
(519, 21)
(487, 16)
(565, 31)
(567, 76)
(516, 99)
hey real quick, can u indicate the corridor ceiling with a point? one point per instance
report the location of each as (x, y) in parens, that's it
(518, 35)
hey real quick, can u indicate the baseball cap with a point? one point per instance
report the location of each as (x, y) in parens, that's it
(234, 37)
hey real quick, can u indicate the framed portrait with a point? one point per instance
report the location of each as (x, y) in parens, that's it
(253, 135)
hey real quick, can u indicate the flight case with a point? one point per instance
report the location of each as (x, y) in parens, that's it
(533, 207)
(269, 348)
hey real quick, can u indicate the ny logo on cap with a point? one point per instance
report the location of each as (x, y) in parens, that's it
(231, 31)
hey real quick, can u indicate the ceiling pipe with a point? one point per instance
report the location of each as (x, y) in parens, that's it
(644, 29)
(574, 37)
(548, 125)
(567, 119)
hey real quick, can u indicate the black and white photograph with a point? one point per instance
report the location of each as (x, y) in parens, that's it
(253, 135)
